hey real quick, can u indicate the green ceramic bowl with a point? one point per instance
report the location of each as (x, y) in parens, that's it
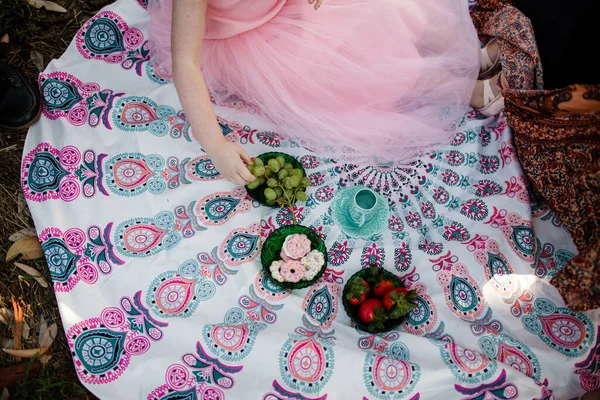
(258, 193)
(272, 248)
(352, 311)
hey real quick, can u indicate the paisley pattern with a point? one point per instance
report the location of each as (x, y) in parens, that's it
(468, 365)
(100, 350)
(463, 296)
(75, 255)
(589, 369)
(321, 304)
(569, 332)
(499, 389)
(126, 203)
(391, 375)
(65, 96)
(198, 377)
(282, 394)
(241, 246)
(218, 208)
(423, 318)
(102, 347)
(511, 352)
(66, 174)
(178, 293)
(306, 360)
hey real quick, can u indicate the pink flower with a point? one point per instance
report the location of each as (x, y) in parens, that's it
(296, 246)
(292, 271)
(284, 256)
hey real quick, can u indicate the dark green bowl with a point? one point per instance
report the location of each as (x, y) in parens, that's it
(352, 311)
(272, 249)
(258, 193)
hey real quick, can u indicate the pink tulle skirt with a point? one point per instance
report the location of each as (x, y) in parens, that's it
(378, 78)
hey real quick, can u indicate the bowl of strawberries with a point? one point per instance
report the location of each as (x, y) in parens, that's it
(376, 300)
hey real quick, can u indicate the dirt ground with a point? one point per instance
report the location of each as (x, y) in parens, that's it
(35, 36)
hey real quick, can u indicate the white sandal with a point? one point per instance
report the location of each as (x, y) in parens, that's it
(492, 105)
(488, 66)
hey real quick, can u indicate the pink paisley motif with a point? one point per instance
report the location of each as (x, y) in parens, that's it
(466, 360)
(141, 238)
(137, 113)
(391, 374)
(514, 358)
(230, 337)
(564, 330)
(130, 173)
(306, 361)
(174, 295)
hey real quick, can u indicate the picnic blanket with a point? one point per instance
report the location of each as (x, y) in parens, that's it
(155, 258)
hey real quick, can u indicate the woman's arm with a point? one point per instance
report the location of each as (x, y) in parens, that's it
(187, 37)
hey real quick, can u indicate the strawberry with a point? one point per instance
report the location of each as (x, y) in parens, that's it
(379, 283)
(371, 312)
(398, 302)
(358, 291)
(388, 303)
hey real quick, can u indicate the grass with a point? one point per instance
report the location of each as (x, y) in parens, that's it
(47, 33)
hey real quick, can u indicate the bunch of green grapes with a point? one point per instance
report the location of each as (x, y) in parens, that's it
(284, 184)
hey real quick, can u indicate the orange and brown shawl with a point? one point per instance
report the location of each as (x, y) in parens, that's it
(557, 137)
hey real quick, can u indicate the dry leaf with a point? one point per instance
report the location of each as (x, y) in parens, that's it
(42, 329)
(38, 59)
(25, 329)
(30, 248)
(23, 233)
(7, 343)
(45, 359)
(6, 316)
(48, 5)
(48, 336)
(26, 353)
(33, 273)
(5, 395)
(5, 38)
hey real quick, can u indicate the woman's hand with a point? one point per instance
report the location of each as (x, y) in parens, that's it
(230, 160)
(317, 3)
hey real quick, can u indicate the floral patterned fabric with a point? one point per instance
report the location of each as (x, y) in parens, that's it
(519, 55)
(155, 258)
(557, 136)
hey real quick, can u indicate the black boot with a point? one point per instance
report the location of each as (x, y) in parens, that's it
(20, 104)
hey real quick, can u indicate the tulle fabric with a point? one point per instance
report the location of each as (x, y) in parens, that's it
(378, 78)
